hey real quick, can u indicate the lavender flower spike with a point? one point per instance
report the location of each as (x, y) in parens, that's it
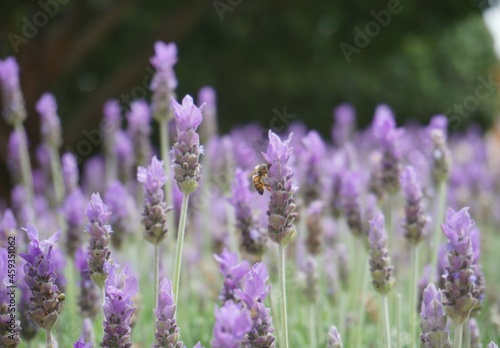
(233, 272)
(46, 301)
(334, 338)
(415, 219)
(9, 326)
(98, 249)
(462, 293)
(73, 211)
(69, 172)
(492, 345)
(88, 299)
(12, 101)
(187, 149)
(164, 81)
(118, 309)
(380, 267)
(81, 343)
(167, 331)
(50, 124)
(154, 216)
(232, 323)
(139, 130)
(281, 213)
(433, 320)
(350, 201)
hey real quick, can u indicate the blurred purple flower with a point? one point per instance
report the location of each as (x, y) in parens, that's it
(124, 213)
(164, 81)
(139, 130)
(13, 157)
(314, 223)
(334, 339)
(69, 172)
(93, 174)
(81, 343)
(344, 125)
(167, 331)
(187, 149)
(208, 128)
(40, 276)
(281, 207)
(88, 299)
(73, 210)
(380, 262)
(232, 323)
(349, 197)
(123, 150)
(50, 124)
(415, 217)
(14, 111)
(433, 320)
(8, 226)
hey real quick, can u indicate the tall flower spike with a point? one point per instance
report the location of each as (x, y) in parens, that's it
(46, 301)
(433, 320)
(73, 210)
(88, 299)
(441, 158)
(167, 331)
(344, 126)
(164, 81)
(253, 237)
(99, 230)
(208, 129)
(13, 158)
(139, 130)
(69, 172)
(154, 215)
(334, 338)
(13, 101)
(50, 124)
(9, 327)
(462, 294)
(125, 158)
(187, 149)
(315, 230)
(124, 213)
(118, 309)
(310, 269)
(281, 208)
(380, 267)
(254, 291)
(415, 218)
(310, 158)
(232, 323)
(349, 195)
(233, 272)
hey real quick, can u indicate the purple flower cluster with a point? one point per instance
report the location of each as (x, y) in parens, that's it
(463, 294)
(50, 124)
(164, 81)
(73, 210)
(433, 320)
(187, 149)
(233, 272)
(167, 331)
(12, 101)
(232, 323)
(281, 208)
(154, 215)
(139, 130)
(314, 224)
(121, 203)
(40, 276)
(69, 172)
(380, 262)
(88, 300)
(311, 155)
(415, 218)
(350, 200)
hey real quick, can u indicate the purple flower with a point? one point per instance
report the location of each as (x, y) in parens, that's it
(8, 225)
(433, 320)
(123, 150)
(50, 124)
(314, 224)
(441, 158)
(254, 291)
(154, 215)
(233, 272)
(208, 129)
(69, 172)
(415, 218)
(167, 331)
(310, 157)
(73, 210)
(380, 262)
(463, 293)
(93, 174)
(310, 270)
(334, 338)
(438, 122)
(164, 81)
(98, 249)
(118, 308)
(81, 343)
(13, 102)
(349, 198)
(112, 115)
(40, 276)
(88, 299)
(253, 237)
(13, 157)
(281, 207)
(139, 130)
(124, 213)
(187, 149)
(59, 262)
(344, 125)
(9, 327)
(232, 323)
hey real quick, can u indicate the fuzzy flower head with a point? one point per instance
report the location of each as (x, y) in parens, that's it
(124, 212)
(344, 126)
(97, 211)
(153, 178)
(164, 60)
(112, 113)
(233, 272)
(167, 331)
(433, 319)
(81, 343)
(69, 172)
(8, 225)
(40, 276)
(384, 128)
(380, 266)
(232, 323)
(12, 101)
(415, 218)
(281, 207)
(50, 124)
(187, 149)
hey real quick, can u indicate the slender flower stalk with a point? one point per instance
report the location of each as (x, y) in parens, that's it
(40, 276)
(281, 211)
(163, 86)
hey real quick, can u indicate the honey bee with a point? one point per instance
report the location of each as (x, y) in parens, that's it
(259, 174)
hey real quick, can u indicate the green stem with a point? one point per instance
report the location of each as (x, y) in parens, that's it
(457, 341)
(25, 166)
(387, 326)
(102, 294)
(413, 296)
(312, 324)
(156, 273)
(441, 203)
(282, 281)
(179, 245)
(165, 155)
(49, 339)
(466, 334)
(57, 180)
(398, 318)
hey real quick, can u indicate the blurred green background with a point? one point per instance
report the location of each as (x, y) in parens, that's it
(258, 55)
